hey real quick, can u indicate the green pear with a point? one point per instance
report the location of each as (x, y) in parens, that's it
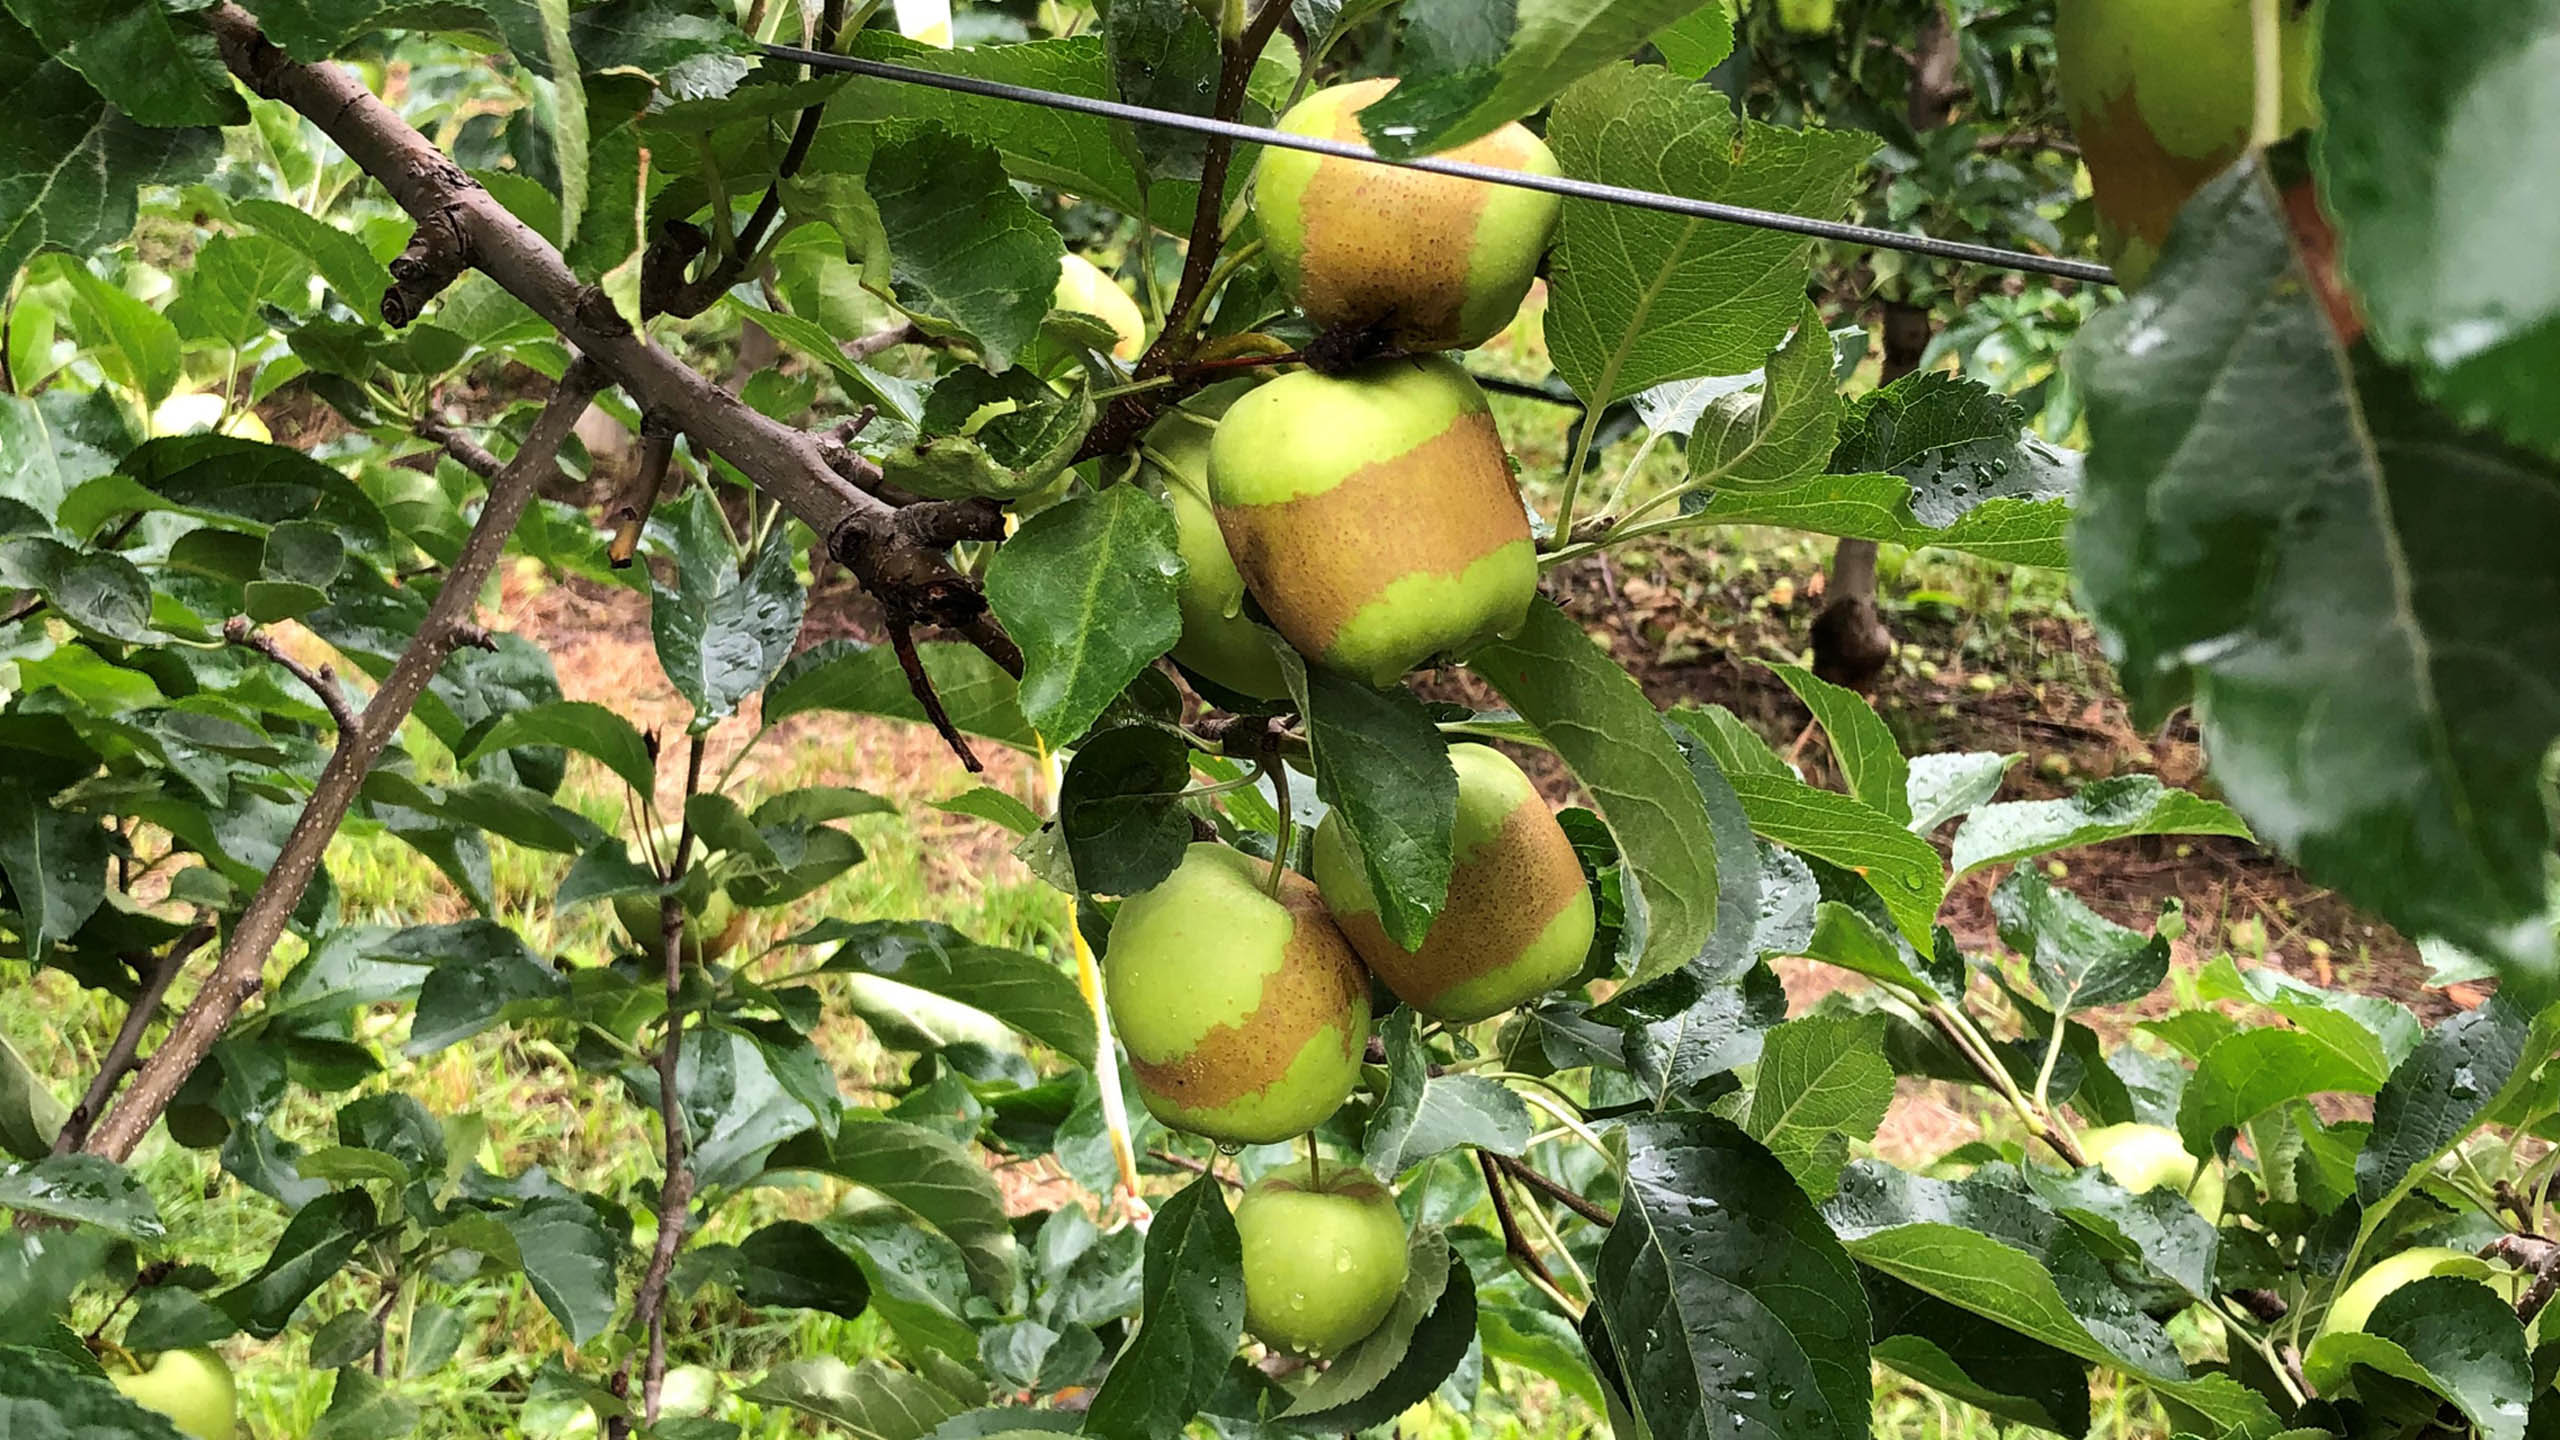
(1084, 289)
(1518, 921)
(2161, 94)
(1217, 640)
(2355, 1304)
(1431, 262)
(1245, 1017)
(1373, 515)
(1324, 1256)
(2145, 1157)
(192, 1388)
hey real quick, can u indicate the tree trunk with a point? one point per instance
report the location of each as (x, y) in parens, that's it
(1851, 643)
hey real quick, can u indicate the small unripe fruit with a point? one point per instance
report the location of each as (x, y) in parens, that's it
(1324, 1257)
(719, 919)
(1373, 515)
(1217, 640)
(191, 1387)
(2161, 94)
(1431, 262)
(2355, 1304)
(1084, 289)
(2145, 1157)
(1518, 921)
(1245, 1017)
(1806, 17)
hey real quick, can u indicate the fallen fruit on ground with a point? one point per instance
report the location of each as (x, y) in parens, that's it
(2145, 1157)
(1244, 1016)
(191, 1387)
(1428, 262)
(1373, 515)
(1324, 1255)
(1518, 921)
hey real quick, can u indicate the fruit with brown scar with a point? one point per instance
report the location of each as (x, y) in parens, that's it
(1428, 262)
(1218, 640)
(1373, 515)
(1245, 1016)
(1518, 921)
(1324, 1256)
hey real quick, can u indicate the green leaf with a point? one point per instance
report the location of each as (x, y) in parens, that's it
(1879, 507)
(2080, 959)
(918, 1279)
(30, 1116)
(1594, 715)
(1945, 785)
(2349, 594)
(872, 1400)
(1983, 1364)
(47, 1396)
(102, 594)
(1194, 1314)
(1361, 1368)
(169, 1317)
(972, 257)
(56, 861)
(1023, 990)
(138, 59)
(1087, 589)
(1986, 1246)
(482, 976)
(1001, 436)
(938, 1180)
(1957, 442)
(316, 1244)
(87, 1189)
(581, 725)
(985, 802)
(721, 634)
(867, 679)
(2113, 809)
(1120, 809)
(2254, 1071)
(1728, 1303)
(1422, 1115)
(794, 1264)
(688, 48)
(364, 1408)
(2454, 1081)
(1868, 757)
(144, 345)
(1823, 1085)
(1642, 297)
(1722, 1029)
(339, 255)
(235, 483)
(569, 1257)
(1700, 42)
(2157, 1229)
(1383, 767)
(2412, 151)
(2450, 1334)
(1164, 54)
(233, 277)
(1783, 430)
(1551, 43)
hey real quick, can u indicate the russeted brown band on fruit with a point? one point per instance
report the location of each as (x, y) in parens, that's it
(1317, 560)
(2147, 183)
(1318, 979)
(1498, 903)
(1351, 268)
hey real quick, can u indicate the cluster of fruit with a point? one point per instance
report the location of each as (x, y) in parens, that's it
(1372, 516)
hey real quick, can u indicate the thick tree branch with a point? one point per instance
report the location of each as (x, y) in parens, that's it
(128, 1042)
(470, 454)
(1522, 1253)
(460, 224)
(240, 974)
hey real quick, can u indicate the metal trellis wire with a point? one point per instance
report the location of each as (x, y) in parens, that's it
(1991, 256)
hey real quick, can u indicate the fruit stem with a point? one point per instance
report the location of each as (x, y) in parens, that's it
(1315, 1162)
(1573, 472)
(2266, 47)
(1288, 836)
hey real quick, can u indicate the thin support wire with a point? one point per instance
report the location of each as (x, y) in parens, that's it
(1990, 256)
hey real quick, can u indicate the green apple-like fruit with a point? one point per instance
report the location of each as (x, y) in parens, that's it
(192, 1388)
(1518, 921)
(2355, 1304)
(1373, 515)
(1217, 640)
(1430, 262)
(1324, 1256)
(717, 917)
(2146, 1157)
(2160, 95)
(1245, 1017)
(1806, 17)
(1084, 289)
